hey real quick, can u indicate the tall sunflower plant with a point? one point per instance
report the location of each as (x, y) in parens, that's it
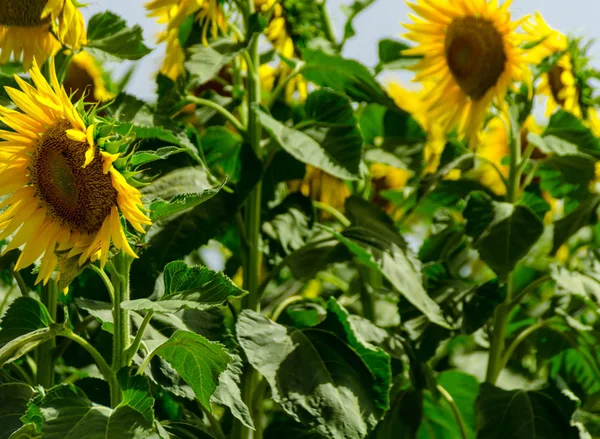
(284, 240)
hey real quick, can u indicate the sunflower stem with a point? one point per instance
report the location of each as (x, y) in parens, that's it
(122, 332)
(21, 283)
(45, 357)
(252, 212)
(502, 312)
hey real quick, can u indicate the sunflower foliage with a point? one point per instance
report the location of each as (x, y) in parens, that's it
(285, 241)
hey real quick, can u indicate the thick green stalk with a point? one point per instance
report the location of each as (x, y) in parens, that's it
(45, 358)
(251, 215)
(122, 331)
(502, 312)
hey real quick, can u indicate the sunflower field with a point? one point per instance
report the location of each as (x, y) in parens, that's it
(285, 241)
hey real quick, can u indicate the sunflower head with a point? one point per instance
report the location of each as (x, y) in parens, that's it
(36, 29)
(86, 78)
(207, 14)
(471, 48)
(320, 186)
(63, 195)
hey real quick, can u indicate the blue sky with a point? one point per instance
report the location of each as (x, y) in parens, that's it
(383, 19)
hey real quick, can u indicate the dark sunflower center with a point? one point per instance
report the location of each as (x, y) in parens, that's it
(78, 82)
(556, 84)
(475, 54)
(79, 198)
(24, 13)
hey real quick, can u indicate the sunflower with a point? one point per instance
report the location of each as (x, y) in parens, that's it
(471, 49)
(85, 77)
(29, 29)
(62, 193)
(279, 36)
(558, 84)
(413, 102)
(320, 186)
(208, 14)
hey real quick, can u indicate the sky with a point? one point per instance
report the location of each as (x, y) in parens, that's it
(382, 20)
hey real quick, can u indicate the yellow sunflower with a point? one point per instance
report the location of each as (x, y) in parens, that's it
(471, 49)
(209, 15)
(277, 33)
(84, 77)
(413, 102)
(29, 29)
(62, 193)
(320, 186)
(494, 145)
(559, 84)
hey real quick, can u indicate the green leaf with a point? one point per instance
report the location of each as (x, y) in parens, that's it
(376, 359)
(64, 412)
(567, 175)
(289, 224)
(403, 419)
(206, 61)
(145, 157)
(479, 308)
(189, 287)
(503, 233)
(305, 148)
(566, 127)
(136, 394)
(102, 311)
(391, 128)
(373, 239)
(198, 361)
(391, 56)
(25, 325)
(583, 215)
(222, 149)
(13, 404)
(228, 392)
(109, 33)
(27, 431)
(144, 132)
(331, 123)
(576, 283)
(439, 420)
(160, 208)
(520, 414)
(345, 76)
(352, 11)
(318, 379)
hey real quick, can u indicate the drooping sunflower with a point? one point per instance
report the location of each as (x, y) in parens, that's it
(208, 14)
(471, 49)
(85, 77)
(62, 193)
(278, 34)
(559, 84)
(29, 29)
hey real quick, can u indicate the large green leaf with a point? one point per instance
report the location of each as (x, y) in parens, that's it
(136, 394)
(198, 361)
(331, 123)
(503, 233)
(206, 61)
(13, 404)
(305, 148)
(144, 157)
(576, 283)
(566, 127)
(567, 175)
(191, 287)
(108, 33)
(583, 215)
(520, 414)
(374, 242)
(394, 128)
(480, 306)
(222, 150)
(317, 378)
(65, 412)
(228, 392)
(25, 325)
(439, 421)
(376, 359)
(160, 208)
(345, 76)
(391, 56)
